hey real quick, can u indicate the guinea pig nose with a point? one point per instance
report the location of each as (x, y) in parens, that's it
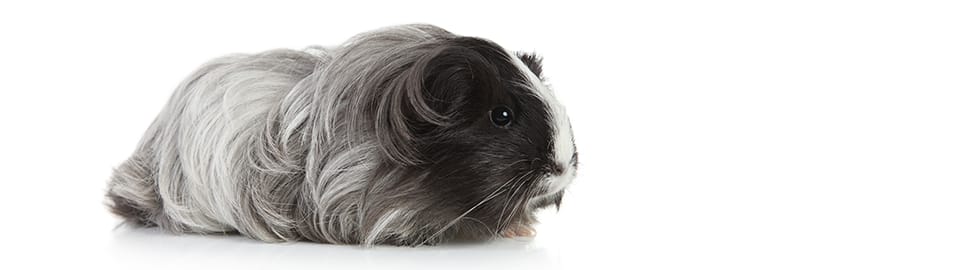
(555, 168)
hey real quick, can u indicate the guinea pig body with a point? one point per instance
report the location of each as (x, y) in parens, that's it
(406, 135)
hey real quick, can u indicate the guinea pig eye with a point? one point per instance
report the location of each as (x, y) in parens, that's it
(501, 116)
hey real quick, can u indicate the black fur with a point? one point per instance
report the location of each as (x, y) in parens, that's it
(468, 158)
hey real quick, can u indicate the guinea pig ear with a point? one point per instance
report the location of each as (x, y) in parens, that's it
(424, 98)
(450, 78)
(533, 61)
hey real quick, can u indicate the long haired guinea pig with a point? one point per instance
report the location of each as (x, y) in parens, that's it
(406, 135)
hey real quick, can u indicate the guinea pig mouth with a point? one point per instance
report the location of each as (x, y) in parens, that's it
(551, 187)
(557, 183)
(550, 192)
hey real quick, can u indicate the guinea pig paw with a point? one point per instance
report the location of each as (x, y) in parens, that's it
(519, 231)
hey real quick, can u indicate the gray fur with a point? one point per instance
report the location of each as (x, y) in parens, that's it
(281, 146)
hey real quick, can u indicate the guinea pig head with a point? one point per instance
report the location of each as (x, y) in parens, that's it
(480, 137)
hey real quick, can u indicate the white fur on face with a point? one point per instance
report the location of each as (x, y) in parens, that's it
(563, 148)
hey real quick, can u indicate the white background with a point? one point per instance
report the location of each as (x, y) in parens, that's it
(734, 135)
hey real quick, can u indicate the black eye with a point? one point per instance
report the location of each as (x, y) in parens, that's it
(501, 116)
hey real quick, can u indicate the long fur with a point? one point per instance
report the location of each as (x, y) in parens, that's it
(289, 145)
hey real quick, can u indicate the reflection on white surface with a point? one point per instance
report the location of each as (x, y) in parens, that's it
(556, 246)
(135, 247)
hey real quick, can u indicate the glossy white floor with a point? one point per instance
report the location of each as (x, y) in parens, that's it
(712, 135)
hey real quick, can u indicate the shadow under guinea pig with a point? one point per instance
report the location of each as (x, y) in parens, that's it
(135, 247)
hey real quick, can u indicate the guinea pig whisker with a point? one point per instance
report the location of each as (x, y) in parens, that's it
(513, 209)
(515, 188)
(485, 226)
(522, 203)
(503, 210)
(465, 213)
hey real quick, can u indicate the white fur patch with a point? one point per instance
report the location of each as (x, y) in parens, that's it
(563, 137)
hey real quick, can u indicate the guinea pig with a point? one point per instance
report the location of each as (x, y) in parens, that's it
(406, 135)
